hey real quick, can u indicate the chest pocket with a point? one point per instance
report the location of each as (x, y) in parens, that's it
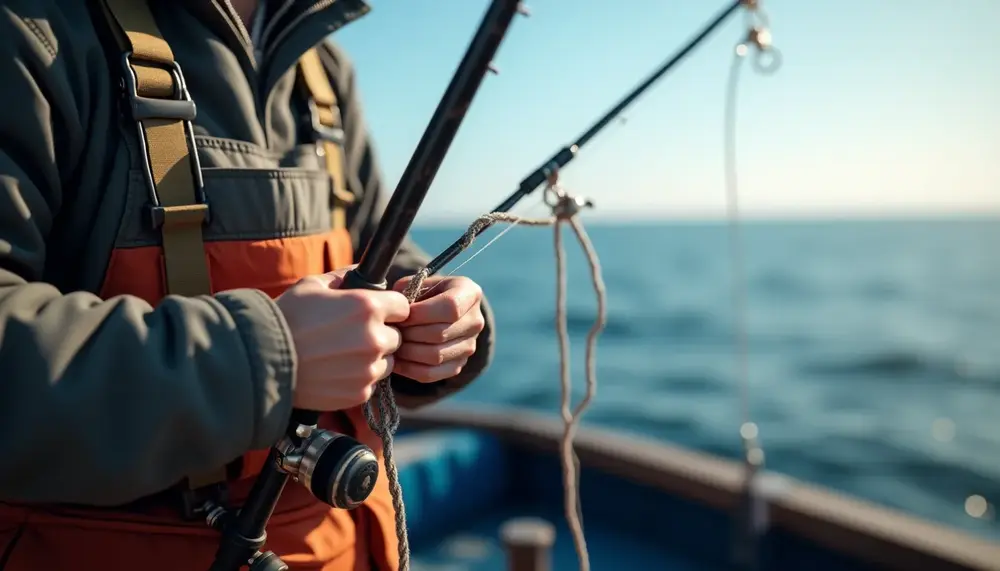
(268, 225)
(271, 226)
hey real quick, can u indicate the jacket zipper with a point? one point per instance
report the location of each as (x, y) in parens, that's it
(241, 31)
(252, 48)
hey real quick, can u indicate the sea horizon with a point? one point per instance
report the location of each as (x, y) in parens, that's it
(871, 345)
(641, 219)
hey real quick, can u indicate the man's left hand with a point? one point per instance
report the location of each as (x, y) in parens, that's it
(440, 334)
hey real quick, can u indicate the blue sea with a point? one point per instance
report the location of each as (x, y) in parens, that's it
(873, 347)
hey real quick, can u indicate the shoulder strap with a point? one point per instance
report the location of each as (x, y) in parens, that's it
(158, 101)
(326, 122)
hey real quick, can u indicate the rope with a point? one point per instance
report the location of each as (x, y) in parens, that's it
(565, 209)
(752, 515)
(767, 60)
(737, 270)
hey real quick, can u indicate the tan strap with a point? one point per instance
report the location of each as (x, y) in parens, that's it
(327, 114)
(172, 166)
(160, 105)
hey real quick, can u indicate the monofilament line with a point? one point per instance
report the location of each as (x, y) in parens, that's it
(737, 267)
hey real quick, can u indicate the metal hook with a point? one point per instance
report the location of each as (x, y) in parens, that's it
(760, 37)
(767, 58)
(569, 206)
(767, 61)
(563, 204)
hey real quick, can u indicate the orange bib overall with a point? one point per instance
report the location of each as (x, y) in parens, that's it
(151, 535)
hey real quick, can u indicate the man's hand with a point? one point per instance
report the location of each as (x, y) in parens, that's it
(344, 339)
(440, 333)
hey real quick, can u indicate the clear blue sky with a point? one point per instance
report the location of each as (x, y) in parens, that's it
(881, 106)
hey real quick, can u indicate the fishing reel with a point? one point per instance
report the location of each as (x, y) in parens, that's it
(337, 469)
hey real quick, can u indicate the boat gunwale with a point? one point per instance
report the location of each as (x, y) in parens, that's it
(854, 527)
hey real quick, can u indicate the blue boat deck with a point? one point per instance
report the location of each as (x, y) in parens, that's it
(461, 485)
(475, 546)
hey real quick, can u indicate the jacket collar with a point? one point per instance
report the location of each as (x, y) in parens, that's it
(298, 24)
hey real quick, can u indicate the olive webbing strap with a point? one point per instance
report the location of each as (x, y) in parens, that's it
(327, 124)
(158, 102)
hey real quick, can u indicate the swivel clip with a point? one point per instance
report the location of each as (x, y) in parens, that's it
(767, 58)
(564, 205)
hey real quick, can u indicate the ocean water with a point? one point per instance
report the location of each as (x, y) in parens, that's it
(873, 347)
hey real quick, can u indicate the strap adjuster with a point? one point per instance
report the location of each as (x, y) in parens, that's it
(179, 108)
(327, 133)
(186, 215)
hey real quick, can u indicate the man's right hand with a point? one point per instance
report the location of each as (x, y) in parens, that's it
(342, 339)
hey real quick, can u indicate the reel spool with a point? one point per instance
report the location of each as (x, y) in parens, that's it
(340, 471)
(337, 469)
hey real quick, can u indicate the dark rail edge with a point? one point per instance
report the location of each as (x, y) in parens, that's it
(857, 528)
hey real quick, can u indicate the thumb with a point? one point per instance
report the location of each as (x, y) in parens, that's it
(333, 279)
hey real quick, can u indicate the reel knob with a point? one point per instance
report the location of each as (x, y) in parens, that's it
(338, 469)
(267, 561)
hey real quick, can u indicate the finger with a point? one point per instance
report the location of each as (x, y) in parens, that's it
(384, 306)
(382, 368)
(395, 307)
(429, 354)
(390, 339)
(447, 306)
(426, 373)
(470, 325)
(333, 279)
(433, 333)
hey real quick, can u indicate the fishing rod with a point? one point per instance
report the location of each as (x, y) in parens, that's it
(565, 155)
(337, 469)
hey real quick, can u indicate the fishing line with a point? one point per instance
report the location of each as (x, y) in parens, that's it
(515, 221)
(752, 514)
(766, 60)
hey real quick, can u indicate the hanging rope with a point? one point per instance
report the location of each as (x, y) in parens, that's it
(565, 209)
(766, 60)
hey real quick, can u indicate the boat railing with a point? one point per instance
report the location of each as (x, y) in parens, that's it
(859, 529)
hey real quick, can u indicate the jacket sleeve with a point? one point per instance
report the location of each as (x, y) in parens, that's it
(366, 183)
(102, 402)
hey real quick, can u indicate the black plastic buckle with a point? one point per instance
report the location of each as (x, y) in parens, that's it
(180, 108)
(196, 504)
